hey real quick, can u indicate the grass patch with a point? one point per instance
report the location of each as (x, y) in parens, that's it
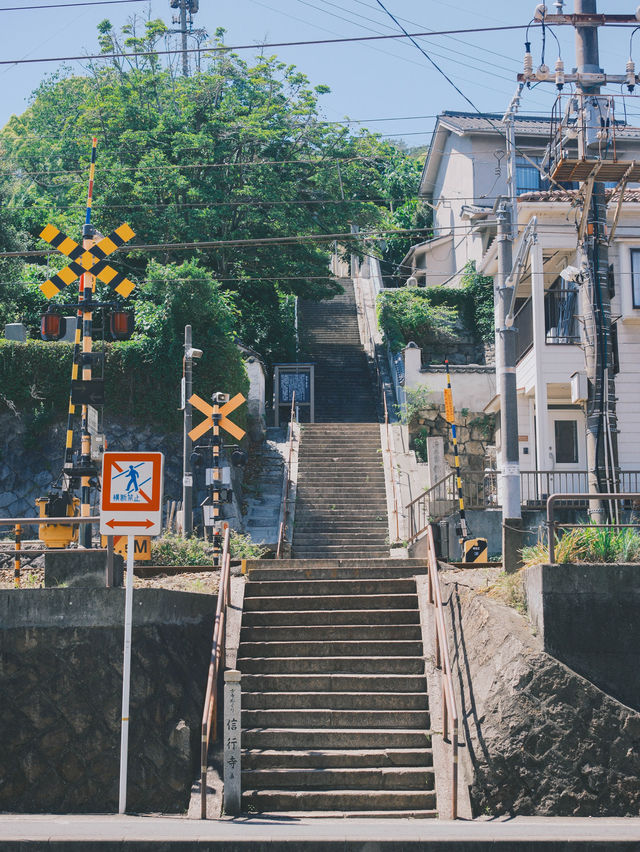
(587, 544)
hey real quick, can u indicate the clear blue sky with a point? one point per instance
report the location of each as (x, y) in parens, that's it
(368, 81)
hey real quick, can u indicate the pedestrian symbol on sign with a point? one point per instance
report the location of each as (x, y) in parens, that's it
(132, 484)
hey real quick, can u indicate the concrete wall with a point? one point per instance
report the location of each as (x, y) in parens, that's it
(61, 686)
(587, 616)
(474, 386)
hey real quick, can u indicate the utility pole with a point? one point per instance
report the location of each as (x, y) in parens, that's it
(589, 116)
(601, 415)
(505, 337)
(187, 474)
(183, 37)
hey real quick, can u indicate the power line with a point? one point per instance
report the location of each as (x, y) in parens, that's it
(68, 5)
(260, 241)
(261, 46)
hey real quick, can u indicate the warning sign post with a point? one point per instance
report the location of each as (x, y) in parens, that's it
(131, 502)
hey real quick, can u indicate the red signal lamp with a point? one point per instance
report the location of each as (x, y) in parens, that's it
(121, 325)
(52, 326)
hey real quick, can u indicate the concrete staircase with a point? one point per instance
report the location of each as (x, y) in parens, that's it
(341, 504)
(341, 508)
(335, 712)
(330, 338)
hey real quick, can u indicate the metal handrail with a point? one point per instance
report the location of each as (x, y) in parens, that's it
(282, 532)
(552, 525)
(370, 349)
(449, 712)
(210, 711)
(392, 468)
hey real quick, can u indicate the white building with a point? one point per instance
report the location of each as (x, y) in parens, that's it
(464, 175)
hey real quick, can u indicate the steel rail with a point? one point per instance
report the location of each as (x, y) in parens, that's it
(553, 498)
(450, 718)
(210, 711)
(282, 532)
(370, 349)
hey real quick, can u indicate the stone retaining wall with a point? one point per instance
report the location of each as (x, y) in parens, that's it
(61, 687)
(541, 739)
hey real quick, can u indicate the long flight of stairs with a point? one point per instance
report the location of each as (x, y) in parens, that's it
(341, 508)
(341, 504)
(335, 711)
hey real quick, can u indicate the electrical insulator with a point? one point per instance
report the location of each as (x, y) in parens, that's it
(528, 62)
(559, 74)
(540, 12)
(638, 13)
(542, 72)
(631, 75)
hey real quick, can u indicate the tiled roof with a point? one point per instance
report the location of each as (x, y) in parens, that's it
(569, 195)
(488, 122)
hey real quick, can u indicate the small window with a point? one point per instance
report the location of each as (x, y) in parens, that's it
(566, 441)
(635, 277)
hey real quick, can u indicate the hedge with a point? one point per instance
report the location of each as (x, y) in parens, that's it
(35, 378)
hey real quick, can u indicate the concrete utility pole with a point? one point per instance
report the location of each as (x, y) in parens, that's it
(183, 37)
(601, 415)
(187, 474)
(506, 336)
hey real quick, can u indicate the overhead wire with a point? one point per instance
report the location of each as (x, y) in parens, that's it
(68, 5)
(261, 46)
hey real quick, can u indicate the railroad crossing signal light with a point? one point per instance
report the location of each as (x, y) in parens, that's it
(87, 260)
(121, 325)
(52, 326)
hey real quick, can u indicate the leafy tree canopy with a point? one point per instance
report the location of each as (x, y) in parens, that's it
(235, 152)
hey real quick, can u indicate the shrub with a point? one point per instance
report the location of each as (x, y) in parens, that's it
(408, 314)
(173, 549)
(587, 544)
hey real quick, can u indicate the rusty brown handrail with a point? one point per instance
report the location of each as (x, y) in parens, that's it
(449, 711)
(210, 711)
(552, 525)
(287, 480)
(392, 468)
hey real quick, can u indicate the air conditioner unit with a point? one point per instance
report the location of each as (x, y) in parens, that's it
(579, 388)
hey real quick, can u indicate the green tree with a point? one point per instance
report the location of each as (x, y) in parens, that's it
(236, 153)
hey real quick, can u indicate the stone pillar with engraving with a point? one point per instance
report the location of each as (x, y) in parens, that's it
(232, 788)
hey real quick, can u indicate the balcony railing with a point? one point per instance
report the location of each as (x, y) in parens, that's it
(523, 321)
(560, 321)
(480, 491)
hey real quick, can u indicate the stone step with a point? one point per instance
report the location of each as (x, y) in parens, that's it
(335, 738)
(332, 602)
(329, 648)
(305, 552)
(334, 683)
(331, 758)
(324, 587)
(392, 568)
(318, 632)
(334, 700)
(322, 665)
(338, 800)
(353, 778)
(358, 566)
(408, 615)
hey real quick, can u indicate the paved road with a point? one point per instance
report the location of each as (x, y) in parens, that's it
(22, 832)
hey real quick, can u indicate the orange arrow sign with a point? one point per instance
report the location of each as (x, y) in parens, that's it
(113, 524)
(225, 423)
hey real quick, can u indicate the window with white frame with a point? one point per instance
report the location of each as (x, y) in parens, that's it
(635, 277)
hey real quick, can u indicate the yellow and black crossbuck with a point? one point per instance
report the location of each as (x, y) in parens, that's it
(87, 260)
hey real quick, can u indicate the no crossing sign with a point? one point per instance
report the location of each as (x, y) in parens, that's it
(131, 499)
